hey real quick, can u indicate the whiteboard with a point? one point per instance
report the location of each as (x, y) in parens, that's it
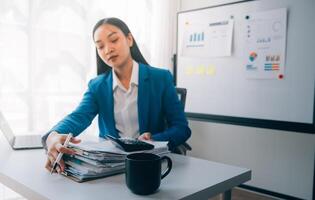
(227, 95)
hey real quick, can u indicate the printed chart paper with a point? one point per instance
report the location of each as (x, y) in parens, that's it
(265, 44)
(209, 39)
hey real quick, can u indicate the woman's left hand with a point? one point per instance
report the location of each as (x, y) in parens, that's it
(145, 136)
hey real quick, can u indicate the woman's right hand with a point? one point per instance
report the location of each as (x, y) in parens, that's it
(54, 144)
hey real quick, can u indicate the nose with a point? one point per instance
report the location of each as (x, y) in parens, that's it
(108, 49)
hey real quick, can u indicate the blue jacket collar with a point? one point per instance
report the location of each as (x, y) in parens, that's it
(143, 98)
(143, 101)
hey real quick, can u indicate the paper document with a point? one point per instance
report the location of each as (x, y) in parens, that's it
(107, 147)
(100, 159)
(208, 39)
(265, 44)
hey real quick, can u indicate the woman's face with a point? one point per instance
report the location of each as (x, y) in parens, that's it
(112, 45)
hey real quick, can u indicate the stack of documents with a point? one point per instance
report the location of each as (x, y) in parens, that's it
(100, 159)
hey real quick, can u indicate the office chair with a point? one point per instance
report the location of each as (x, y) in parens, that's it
(183, 148)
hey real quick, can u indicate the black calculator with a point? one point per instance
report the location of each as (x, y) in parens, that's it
(130, 144)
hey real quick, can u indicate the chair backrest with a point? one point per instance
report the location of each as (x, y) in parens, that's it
(181, 92)
(183, 148)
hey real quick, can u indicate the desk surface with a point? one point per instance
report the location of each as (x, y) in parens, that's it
(190, 178)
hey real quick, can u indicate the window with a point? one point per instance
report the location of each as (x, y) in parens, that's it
(47, 55)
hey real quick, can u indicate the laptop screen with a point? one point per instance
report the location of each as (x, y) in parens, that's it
(5, 129)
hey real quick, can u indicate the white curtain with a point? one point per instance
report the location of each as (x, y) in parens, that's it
(47, 54)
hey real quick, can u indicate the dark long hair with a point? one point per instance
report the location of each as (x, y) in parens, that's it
(102, 67)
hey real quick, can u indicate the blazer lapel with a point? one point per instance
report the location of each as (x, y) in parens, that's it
(143, 98)
(109, 106)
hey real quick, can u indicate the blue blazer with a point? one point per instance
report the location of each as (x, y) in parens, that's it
(159, 110)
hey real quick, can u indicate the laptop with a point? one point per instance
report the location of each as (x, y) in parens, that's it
(19, 141)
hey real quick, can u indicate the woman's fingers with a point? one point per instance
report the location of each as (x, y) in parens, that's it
(48, 164)
(75, 140)
(55, 146)
(145, 136)
(58, 169)
(50, 160)
(62, 149)
(61, 166)
(53, 154)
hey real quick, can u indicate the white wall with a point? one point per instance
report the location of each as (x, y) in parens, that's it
(281, 161)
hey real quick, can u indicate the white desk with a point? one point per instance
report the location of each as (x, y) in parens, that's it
(190, 178)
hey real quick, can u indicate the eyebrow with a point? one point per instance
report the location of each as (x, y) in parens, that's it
(112, 33)
(109, 35)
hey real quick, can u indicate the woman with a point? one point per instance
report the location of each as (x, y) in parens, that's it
(132, 100)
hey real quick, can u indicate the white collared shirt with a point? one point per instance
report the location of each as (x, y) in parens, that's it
(126, 104)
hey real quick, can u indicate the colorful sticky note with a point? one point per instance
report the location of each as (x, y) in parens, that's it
(211, 70)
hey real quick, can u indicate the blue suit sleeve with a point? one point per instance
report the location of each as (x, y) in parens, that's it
(178, 131)
(81, 117)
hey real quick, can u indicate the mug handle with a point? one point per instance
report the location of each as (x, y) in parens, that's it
(169, 166)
